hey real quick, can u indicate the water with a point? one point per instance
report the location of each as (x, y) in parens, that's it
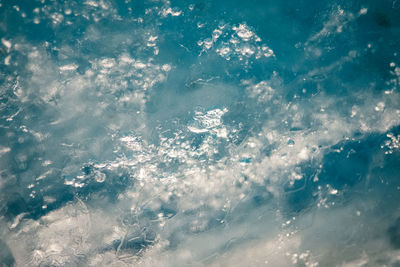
(199, 133)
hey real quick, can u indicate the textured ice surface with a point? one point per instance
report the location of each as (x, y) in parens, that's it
(199, 133)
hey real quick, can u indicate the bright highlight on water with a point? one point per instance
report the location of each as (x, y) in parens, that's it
(199, 133)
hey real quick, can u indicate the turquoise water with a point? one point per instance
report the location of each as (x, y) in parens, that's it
(199, 133)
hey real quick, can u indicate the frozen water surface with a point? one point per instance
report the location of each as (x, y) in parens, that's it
(199, 133)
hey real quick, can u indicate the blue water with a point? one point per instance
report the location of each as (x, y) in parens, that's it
(199, 133)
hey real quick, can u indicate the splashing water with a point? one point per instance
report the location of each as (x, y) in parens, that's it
(200, 133)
